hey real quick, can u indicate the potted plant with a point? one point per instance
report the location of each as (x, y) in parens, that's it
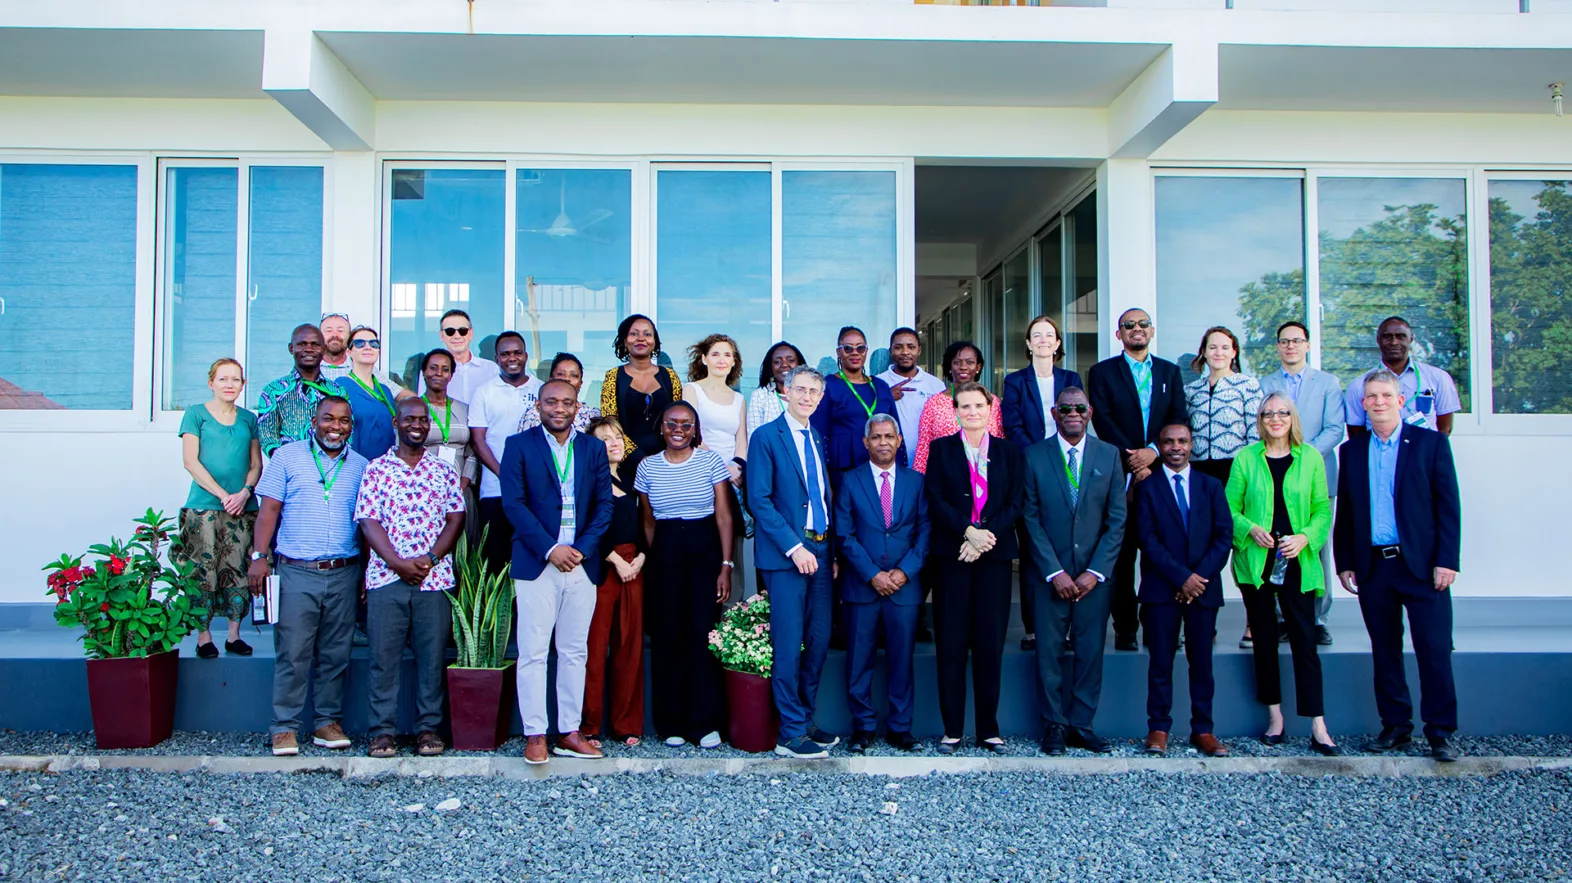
(481, 681)
(133, 611)
(742, 643)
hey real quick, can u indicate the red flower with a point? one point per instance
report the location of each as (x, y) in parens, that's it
(117, 565)
(104, 607)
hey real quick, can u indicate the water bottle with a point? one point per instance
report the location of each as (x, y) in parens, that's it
(1279, 566)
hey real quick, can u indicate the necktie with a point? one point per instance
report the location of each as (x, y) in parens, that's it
(1183, 500)
(810, 471)
(886, 498)
(1074, 471)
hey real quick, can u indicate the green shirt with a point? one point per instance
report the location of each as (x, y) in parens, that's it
(224, 451)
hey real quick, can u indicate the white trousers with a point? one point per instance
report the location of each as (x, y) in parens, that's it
(564, 602)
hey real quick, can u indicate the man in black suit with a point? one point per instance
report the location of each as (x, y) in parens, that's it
(1186, 530)
(1397, 542)
(1133, 396)
(1075, 521)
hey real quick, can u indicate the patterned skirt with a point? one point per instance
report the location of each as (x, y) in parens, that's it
(218, 544)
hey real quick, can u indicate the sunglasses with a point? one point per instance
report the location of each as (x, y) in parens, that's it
(362, 343)
(456, 332)
(1071, 409)
(1136, 323)
(675, 426)
(1268, 415)
(327, 316)
(848, 348)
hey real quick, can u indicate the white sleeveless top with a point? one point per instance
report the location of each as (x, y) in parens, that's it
(720, 422)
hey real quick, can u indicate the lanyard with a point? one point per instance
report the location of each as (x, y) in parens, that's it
(375, 391)
(325, 390)
(1074, 481)
(563, 467)
(327, 480)
(444, 424)
(866, 406)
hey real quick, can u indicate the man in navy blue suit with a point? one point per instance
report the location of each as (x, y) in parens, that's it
(789, 495)
(1185, 531)
(1397, 541)
(881, 522)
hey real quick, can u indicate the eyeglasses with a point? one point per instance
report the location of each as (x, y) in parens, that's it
(456, 332)
(1072, 409)
(1270, 415)
(676, 426)
(850, 348)
(1136, 323)
(363, 342)
(1292, 341)
(327, 316)
(806, 391)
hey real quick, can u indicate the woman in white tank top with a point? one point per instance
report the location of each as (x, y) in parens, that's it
(715, 365)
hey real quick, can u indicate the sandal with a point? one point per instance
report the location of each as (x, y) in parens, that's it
(429, 744)
(382, 747)
(630, 741)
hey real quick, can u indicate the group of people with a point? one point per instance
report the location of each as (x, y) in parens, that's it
(864, 496)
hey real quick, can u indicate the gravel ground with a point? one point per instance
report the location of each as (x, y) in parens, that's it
(132, 825)
(199, 743)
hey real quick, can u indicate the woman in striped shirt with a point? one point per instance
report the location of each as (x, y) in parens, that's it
(686, 526)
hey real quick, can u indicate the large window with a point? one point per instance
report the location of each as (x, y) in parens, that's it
(201, 218)
(1230, 251)
(1081, 327)
(1531, 296)
(284, 266)
(68, 236)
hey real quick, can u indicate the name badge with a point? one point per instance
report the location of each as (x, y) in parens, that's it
(569, 519)
(448, 455)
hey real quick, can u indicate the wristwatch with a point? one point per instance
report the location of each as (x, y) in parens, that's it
(730, 564)
(257, 556)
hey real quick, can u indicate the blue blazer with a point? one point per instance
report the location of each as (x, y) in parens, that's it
(1025, 414)
(840, 418)
(1427, 503)
(868, 546)
(1169, 552)
(532, 499)
(777, 493)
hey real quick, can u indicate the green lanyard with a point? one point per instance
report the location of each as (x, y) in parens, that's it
(444, 424)
(563, 467)
(327, 480)
(866, 406)
(375, 391)
(325, 390)
(1074, 482)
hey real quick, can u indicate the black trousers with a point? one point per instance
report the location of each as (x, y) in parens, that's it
(1388, 591)
(680, 607)
(1261, 603)
(1030, 576)
(498, 551)
(1126, 612)
(971, 610)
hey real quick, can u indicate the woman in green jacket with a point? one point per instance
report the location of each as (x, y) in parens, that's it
(1282, 516)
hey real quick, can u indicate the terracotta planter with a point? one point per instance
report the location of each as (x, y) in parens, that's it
(755, 725)
(480, 701)
(133, 700)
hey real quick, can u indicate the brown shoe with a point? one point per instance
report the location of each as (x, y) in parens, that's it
(382, 746)
(535, 750)
(429, 744)
(284, 745)
(1207, 744)
(1157, 742)
(574, 745)
(331, 736)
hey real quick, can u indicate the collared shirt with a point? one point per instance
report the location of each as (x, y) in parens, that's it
(1185, 474)
(1383, 488)
(1140, 370)
(1293, 381)
(334, 372)
(317, 522)
(498, 407)
(1428, 392)
(908, 408)
(412, 504)
(562, 458)
(1080, 460)
(878, 476)
(468, 378)
(763, 406)
(286, 407)
(531, 418)
(804, 451)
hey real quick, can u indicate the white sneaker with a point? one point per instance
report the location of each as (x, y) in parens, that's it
(675, 741)
(711, 739)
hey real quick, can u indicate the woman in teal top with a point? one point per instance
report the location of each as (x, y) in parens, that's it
(1277, 493)
(220, 449)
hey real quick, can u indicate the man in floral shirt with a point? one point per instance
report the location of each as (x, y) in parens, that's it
(411, 512)
(287, 406)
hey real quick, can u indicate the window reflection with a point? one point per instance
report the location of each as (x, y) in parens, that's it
(285, 268)
(201, 209)
(1530, 304)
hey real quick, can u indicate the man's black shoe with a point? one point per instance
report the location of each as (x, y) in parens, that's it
(1125, 642)
(1442, 749)
(1323, 636)
(1389, 738)
(1083, 737)
(1053, 741)
(902, 741)
(1029, 643)
(860, 741)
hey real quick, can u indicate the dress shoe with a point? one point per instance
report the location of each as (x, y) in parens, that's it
(237, 648)
(1273, 738)
(1207, 744)
(1125, 642)
(823, 738)
(535, 752)
(575, 745)
(1323, 636)
(1053, 742)
(901, 741)
(1156, 742)
(1324, 749)
(1247, 643)
(207, 651)
(1389, 738)
(1029, 643)
(947, 747)
(861, 740)
(1442, 749)
(331, 736)
(996, 747)
(1083, 737)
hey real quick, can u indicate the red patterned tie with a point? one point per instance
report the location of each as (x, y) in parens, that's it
(886, 498)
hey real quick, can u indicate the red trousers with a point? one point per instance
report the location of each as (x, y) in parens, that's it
(617, 629)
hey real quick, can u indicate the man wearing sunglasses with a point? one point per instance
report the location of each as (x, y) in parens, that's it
(1133, 396)
(335, 346)
(470, 372)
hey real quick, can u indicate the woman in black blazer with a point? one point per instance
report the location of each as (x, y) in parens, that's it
(974, 486)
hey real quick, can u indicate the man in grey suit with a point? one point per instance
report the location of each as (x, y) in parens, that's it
(1075, 519)
(1319, 398)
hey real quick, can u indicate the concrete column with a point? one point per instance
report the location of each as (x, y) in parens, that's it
(1126, 245)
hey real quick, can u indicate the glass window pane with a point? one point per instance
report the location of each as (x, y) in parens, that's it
(712, 263)
(1394, 246)
(1010, 338)
(284, 267)
(1531, 296)
(838, 260)
(67, 266)
(200, 208)
(993, 302)
(1081, 327)
(447, 248)
(1230, 251)
(574, 265)
(1051, 248)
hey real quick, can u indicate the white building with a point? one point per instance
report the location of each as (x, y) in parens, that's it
(183, 180)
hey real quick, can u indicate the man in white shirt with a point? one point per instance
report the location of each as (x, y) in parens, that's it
(910, 385)
(494, 414)
(470, 372)
(335, 346)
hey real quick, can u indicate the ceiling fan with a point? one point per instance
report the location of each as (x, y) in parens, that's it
(564, 227)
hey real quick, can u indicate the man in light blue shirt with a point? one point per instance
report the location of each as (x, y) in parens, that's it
(1383, 488)
(1429, 393)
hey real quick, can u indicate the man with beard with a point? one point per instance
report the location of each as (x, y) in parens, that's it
(910, 385)
(494, 414)
(308, 495)
(335, 345)
(286, 406)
